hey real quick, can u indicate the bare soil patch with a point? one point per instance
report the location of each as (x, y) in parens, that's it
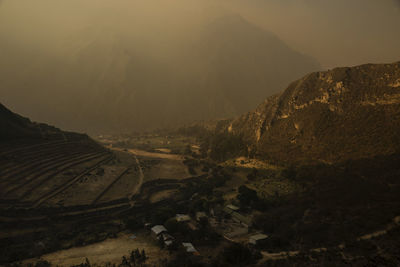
(109, 251)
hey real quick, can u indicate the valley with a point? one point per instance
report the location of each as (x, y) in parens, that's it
(238, 201)
(187, 133)
(264, 189)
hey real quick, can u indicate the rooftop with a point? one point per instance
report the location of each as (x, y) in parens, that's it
(258, 237)
(158, 229)
(189, 247)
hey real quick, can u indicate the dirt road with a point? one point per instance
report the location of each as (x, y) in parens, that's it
(141, 178)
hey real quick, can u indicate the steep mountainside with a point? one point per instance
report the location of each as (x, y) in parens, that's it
(340, 114)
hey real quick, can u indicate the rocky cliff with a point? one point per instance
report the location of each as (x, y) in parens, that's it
(340, 114)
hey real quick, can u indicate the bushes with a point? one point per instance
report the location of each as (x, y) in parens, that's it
(223, 146)
(339, 203)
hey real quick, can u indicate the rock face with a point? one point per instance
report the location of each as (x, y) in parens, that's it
(340, 114)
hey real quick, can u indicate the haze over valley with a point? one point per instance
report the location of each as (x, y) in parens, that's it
(68, 63)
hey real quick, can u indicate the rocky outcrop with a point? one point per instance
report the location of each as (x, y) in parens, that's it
(340, 114)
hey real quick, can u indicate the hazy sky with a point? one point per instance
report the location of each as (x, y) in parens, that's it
(62, 59)
(336, 33)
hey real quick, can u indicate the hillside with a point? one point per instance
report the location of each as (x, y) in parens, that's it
(14, 127)
(340, 114)
(51, 180)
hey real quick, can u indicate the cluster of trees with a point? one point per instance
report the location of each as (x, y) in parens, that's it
(136, 258)
(338, 203)
(221, 146)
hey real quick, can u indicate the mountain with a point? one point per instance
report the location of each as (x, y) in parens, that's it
(108, 80)
(246, 63)
(336, 115)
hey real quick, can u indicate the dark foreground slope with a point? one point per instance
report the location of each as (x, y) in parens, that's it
(54, 185)
(14, 127)
(340, 114)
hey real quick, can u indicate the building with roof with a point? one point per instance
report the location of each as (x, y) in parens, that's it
(157, 230)
(257, 239)
(237, 217)
(190, 248)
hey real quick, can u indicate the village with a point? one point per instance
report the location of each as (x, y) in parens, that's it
(208, 215)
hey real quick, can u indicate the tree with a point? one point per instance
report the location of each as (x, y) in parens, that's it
(125, 261)
(143, 256)
(132, 258)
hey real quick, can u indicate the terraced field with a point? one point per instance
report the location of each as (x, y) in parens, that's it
(64, 192)
(60, 182)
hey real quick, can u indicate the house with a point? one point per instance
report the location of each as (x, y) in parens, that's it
(190, 248)
(200, 214)
(236, 216)
(157, 230)
(257, 239)
(182, 218)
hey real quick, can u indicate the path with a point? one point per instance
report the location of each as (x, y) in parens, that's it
(141, 178)
(155, 155)
(141, 174)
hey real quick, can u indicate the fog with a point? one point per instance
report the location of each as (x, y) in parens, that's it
(125, 65)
